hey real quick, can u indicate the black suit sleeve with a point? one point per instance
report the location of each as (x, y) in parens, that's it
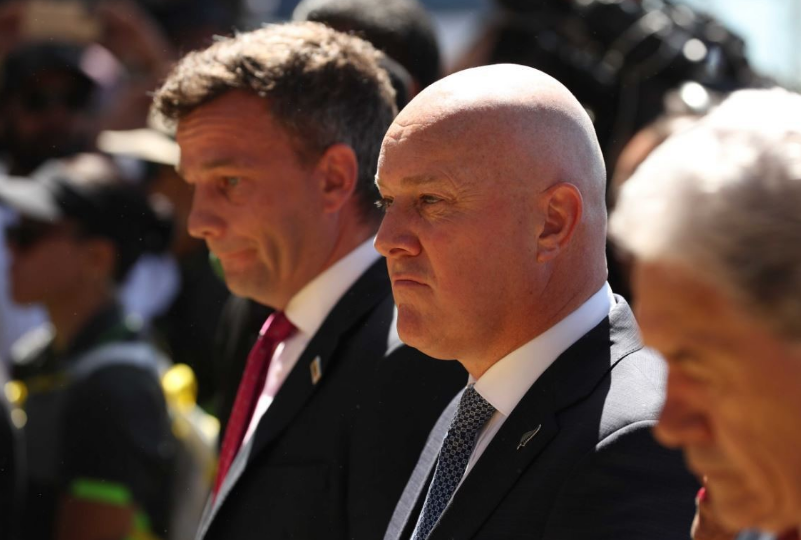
(627, 488)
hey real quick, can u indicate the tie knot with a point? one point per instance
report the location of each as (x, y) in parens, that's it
(473, 412)
(277, 327)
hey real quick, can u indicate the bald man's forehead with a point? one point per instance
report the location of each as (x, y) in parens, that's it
(502, 97)
(498, 86)
(497, 137)
(494, 121)
(427, 127)
(450, 139)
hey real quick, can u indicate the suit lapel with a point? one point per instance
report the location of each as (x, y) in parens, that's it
(527, 431)
(215, 503)
(370, 289)
(315, 361)
(532, 424)
(404, 518)
(205, 519)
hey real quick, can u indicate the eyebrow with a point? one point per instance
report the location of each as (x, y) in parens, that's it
(711, 340)
(705, 340)
(210, 165)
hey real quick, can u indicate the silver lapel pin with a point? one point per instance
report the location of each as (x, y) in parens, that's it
(527, 436)
(316, 369)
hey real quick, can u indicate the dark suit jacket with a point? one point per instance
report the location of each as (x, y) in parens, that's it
(592, 471)
(329, 460)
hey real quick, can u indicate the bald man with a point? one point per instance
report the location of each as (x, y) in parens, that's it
(492, 182)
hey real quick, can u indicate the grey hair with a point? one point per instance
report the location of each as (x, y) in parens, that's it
(724, 198)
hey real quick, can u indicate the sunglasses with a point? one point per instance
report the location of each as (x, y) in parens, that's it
(27, 234)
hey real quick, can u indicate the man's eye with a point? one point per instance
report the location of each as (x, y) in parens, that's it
(230, 181)
(430, 199)
(383, 203)
(682, 356)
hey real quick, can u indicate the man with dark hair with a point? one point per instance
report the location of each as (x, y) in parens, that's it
(279, 132)
(402, 29)
(408, 34)
(337, 97)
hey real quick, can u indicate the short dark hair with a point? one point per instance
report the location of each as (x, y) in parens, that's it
(322, 86)
(403, 29)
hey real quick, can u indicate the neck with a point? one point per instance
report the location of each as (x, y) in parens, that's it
(347, 235)
(69, 317)
(347, 241)
(353, 229)
(561, 301)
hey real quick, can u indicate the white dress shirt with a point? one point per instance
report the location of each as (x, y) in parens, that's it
(307, 310)
(505, 383)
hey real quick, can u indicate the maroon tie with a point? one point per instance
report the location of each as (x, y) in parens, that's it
(276, 329)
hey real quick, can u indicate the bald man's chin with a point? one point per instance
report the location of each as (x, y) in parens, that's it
(414, 332)
(411, 329)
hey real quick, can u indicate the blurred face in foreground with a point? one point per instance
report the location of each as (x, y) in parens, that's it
(734, 396)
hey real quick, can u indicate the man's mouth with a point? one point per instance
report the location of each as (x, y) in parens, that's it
(406, 280)
(232, 255)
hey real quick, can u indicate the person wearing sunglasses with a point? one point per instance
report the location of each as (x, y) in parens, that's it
(99, 449)
(49, 107)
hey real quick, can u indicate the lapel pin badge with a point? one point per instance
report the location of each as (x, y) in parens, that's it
(316, 369)
(527, 436)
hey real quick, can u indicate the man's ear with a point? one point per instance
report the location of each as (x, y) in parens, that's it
(561, 207)
(338, 172)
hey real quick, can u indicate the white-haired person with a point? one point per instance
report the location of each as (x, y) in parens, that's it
(713, 218)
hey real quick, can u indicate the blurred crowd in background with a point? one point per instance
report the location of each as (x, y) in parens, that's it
(76, 79)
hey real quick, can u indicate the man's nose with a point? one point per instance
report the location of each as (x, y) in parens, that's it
(395, 236)
(203, 221)
(684, 419)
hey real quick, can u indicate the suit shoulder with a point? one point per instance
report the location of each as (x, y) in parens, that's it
(635, 392)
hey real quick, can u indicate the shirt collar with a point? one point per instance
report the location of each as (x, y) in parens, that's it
(505, 383)
(311, 305)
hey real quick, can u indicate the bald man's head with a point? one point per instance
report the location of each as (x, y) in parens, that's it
(520, 112)
(494, 185)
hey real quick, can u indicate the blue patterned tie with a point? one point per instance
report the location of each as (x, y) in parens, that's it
(473, 413)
